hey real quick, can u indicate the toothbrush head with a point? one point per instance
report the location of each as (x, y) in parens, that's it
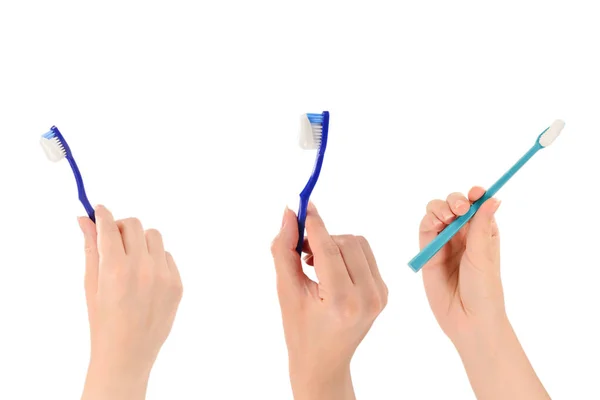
(54, 145)
(312, 131)
(550, 134)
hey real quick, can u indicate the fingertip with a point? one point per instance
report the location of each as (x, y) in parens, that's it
(88, 228)
(100, 211)
(289, 214)
(104, 214)
(490, 207)
(311, 208)
(475, 193)
(288, 235)
(495, 205)
(313, 218)
(289, 219)
(459, 205)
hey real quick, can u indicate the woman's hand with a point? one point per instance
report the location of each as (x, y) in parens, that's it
(325, 322)
(133, 290)
(463, 281)
(464, 289)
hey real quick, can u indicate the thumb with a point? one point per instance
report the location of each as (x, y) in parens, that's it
(287, 261)
(92, 259)
(483, 240)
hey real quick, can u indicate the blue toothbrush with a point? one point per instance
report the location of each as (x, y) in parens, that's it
(56, 148)
(544, 140)
(314, 129)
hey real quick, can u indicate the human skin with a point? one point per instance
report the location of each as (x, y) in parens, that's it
(325, 322)
(133, 290)
(464, 290)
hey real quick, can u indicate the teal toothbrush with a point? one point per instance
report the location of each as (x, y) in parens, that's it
(544, 140)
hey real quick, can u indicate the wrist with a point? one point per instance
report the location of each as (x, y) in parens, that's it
(497, 366)
(108, 381)
(317, 383)
(485, 335)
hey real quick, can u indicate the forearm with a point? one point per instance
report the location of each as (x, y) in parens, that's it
(106, 384)
(317, 386)
(497, 366)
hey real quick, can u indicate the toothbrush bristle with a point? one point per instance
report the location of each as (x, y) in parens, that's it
(53, 147)
(550, 134)
(311, 131)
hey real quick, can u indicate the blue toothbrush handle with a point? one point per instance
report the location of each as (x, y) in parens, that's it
(81, 190)
(301, 222)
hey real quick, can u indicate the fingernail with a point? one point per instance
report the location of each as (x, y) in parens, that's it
(461, 205)
(448, 217)
(84, 228)
(284, 219)
(311, 207)
(497, 205)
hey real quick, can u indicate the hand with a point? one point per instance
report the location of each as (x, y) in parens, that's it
(464, 289)
(462, 281)
(325, 322)
(133, 290)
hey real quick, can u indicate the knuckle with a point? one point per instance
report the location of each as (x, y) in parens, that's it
(384, 297)
(374, 303)
(275, 246)
(90, 250)
(345, 241)
(153, 233)
(177, 288)
(349, 307)
(163, 274)
(427, 223)
(132, 223)
(146, 266)
(113, 228)
(432, 205)
(362, 241)
(146, 276)
(170, 260)
(454, 195)
(331, 249)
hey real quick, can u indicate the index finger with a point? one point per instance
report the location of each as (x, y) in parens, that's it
(109, 236)
(328, 262)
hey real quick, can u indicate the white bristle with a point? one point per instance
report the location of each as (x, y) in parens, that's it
(310, 134)
(551, 133)
(54, 149)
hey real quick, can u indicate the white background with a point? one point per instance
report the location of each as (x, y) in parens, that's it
(185, 114)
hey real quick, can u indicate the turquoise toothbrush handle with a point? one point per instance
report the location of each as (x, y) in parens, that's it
(444, 237)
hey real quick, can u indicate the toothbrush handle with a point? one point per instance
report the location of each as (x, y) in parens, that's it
(301, 222)
(312, 181)
(81, 189)
(444, 237)
(513, 170)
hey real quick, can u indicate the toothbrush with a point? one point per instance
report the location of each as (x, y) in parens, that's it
(314, 129)
(56, 148)
(544, 140)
